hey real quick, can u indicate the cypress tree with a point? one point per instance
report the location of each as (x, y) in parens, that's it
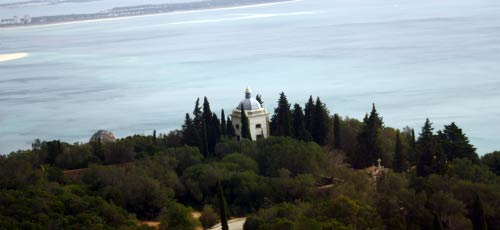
(281, 122)
(204, 140)
(413, 140)
(154, 136)
(196, 133)
(230, 128)
(207, 113)
(189, 134)
(210, 127)
(400, 160)
(321, 123)
(369, 144)
(222, 207)
(197, 114)
(337, 139)
(477, 216)
(299, 130)
(245, 126)
(309, 115)
(223, 124)
(412, 151)
(187, 129)
(217, 127)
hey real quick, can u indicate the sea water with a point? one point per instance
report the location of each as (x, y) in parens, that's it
(413, 59)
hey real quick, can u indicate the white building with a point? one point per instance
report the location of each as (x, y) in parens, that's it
(27, 19)
(258, 117)
(8, 21)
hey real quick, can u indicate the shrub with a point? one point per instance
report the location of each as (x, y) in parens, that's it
(208, 217)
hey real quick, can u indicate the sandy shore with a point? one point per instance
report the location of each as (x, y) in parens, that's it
(154, 15)
(10, 57)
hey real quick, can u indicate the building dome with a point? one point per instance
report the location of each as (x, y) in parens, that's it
(249, 103)
(103, 136)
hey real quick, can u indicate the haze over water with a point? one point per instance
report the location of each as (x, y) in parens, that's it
(414, 59)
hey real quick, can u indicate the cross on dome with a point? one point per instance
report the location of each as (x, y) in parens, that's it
(248, 93)
(249, 103)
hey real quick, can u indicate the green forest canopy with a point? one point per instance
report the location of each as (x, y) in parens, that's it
(437, 182)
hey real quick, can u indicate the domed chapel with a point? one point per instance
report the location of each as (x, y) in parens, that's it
(258, 117)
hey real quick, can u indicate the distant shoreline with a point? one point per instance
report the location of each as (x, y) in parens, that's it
(13, 56)
(102, 19)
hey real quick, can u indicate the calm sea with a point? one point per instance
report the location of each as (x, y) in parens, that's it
(414, 59)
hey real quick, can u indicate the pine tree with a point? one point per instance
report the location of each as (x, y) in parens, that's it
(369, 143)
(374, 117)
(426, 149)
(400, 160)
(230, 128)
(245, 126)
(431, 159)
(222, 207)
(337, 139)
(309, 115)
(456, 144)
(281, 122)
(477, 215)
(321, 123)
(223, 124)
(299, 130)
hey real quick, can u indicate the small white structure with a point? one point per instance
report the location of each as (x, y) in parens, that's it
(8, 21)
(258, 117)
(26, 19)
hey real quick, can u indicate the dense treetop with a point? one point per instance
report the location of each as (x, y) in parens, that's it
(310, 174)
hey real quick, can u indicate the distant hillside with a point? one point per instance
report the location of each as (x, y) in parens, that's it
(132, 11)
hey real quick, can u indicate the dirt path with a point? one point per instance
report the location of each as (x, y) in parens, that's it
(234, 224)
(150, 224)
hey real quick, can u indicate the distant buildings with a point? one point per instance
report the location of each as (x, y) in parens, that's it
(258, 117)
(8, 21)
(26, 19)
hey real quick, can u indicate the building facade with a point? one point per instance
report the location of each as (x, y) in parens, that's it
(258, 117)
